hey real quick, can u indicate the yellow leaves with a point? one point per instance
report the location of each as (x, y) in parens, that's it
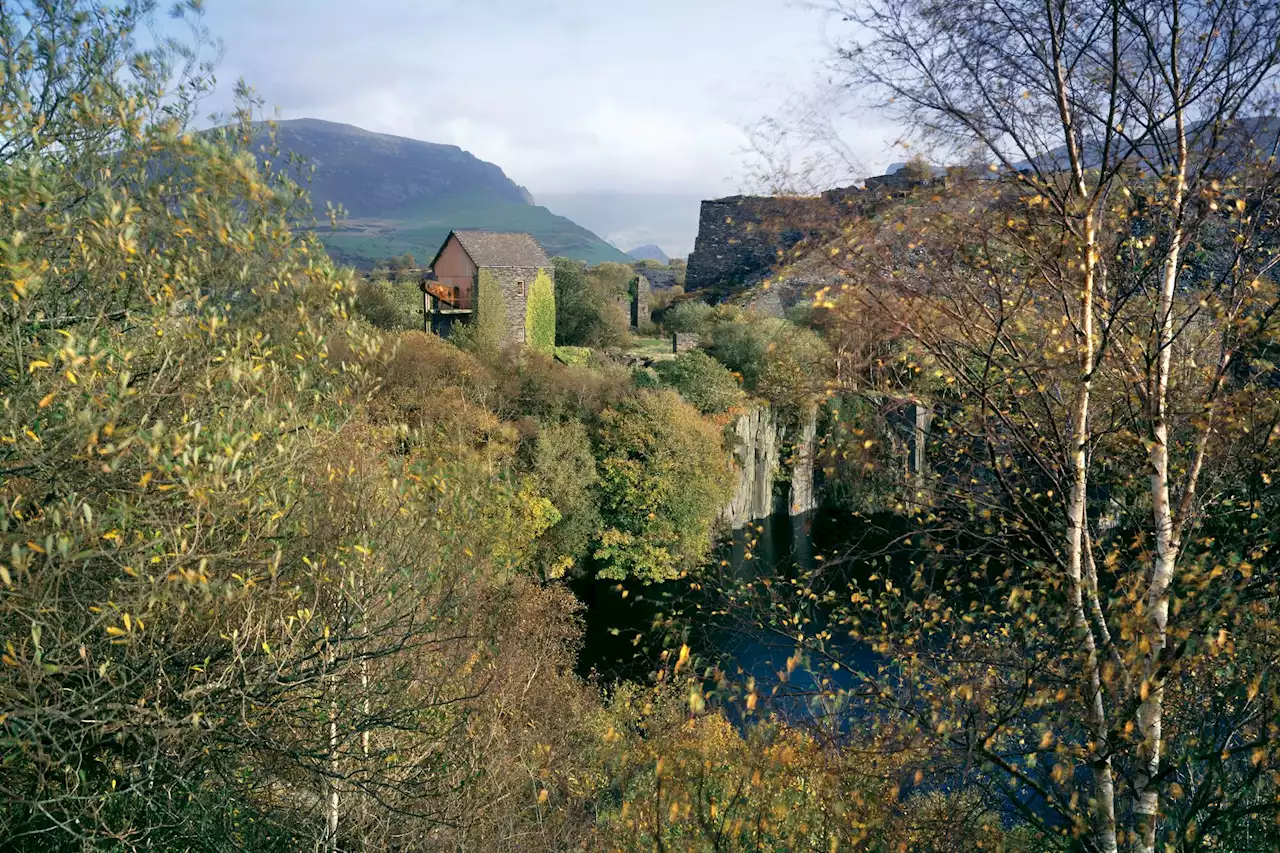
(542, 795)
(683, 658)
(37, 364)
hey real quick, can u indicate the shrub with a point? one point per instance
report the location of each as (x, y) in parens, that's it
(587, 312)
(564, 469)
(785, 364)
(540, 314)
(573, 356)
(645, 377)
(703, 381)
(389, 306)
(664, 478)
(690, 316)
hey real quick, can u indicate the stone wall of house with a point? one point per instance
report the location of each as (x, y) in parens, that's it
(504, 284)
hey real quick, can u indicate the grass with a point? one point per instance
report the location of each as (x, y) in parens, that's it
(658, 349)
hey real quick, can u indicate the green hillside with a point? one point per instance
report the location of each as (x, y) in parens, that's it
(421, 227)
(405, 195)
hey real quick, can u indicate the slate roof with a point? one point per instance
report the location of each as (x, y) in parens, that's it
(500, 249)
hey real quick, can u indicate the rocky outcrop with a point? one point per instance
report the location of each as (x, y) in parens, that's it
(758, 455)
(756, 460)
(803, 499)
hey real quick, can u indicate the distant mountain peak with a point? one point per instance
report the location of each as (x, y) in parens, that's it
(649, 252)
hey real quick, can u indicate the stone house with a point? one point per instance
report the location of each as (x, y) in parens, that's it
(502, 283)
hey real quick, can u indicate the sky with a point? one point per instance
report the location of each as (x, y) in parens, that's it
(650, 96)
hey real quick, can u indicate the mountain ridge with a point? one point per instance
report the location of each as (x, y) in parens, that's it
(403, 195)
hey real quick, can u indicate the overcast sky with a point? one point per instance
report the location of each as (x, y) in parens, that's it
(564, 95)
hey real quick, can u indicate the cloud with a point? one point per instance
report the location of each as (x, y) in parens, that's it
(564, 95)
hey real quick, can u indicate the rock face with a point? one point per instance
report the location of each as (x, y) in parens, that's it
(803, 498)
(758, 456)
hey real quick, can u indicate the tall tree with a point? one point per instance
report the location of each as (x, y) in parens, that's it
(1121, 132)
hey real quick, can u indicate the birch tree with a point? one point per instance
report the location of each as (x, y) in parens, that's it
(1123, 135)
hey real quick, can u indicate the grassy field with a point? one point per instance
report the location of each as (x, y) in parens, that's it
(656, 348)
(421, 229)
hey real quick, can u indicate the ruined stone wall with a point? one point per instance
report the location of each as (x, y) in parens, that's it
(756, 454)
(640, 302)
(742, 237)
(803, 497)
(684, 341)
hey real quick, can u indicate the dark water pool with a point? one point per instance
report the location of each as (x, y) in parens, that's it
(629, 625)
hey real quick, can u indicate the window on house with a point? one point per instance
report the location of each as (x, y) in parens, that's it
(519, 288)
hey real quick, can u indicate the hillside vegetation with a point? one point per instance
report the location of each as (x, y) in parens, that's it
(404, 196)
(279, 574)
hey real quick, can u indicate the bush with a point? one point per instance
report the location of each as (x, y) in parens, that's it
(573, 356)
(587, 312)
(646, 377)
(785, 364)
(703, 381)
(664, 478)
(565, 472)
(690, 316)
(389, 306)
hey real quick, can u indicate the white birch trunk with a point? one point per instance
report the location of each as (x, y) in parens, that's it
(1151, 689)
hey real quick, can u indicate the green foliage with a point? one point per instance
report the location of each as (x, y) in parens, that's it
(402, 269)
(688, 316)
(491, 312)
(540, 314)
(564, 469)
(573, 356)
(703, 381)
(614, 279)
(587, 313)
(646, 377)
(664, 478)
(388, 306)
(255, 557)
(783, 363)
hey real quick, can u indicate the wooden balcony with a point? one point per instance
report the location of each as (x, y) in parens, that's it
(448, 300)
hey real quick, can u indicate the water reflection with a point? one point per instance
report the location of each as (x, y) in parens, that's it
(724, 615)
